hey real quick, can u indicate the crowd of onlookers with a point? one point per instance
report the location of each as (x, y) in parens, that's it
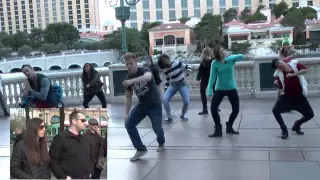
(73, 153)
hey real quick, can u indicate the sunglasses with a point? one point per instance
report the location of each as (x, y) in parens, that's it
(93, 124)
(82, 120)
(42, 127)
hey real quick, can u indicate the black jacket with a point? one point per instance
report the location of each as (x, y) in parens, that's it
(94, 82)
(96, 143)
(204, 71)
(20, 168)
(70, 156)
(19, 137)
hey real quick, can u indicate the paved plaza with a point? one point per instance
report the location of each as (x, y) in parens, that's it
(256, 154)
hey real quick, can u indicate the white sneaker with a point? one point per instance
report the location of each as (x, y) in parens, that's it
(160, 148)
(138, 155)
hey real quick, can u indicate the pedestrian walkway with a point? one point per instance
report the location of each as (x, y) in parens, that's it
(255, 154)
(5, 148)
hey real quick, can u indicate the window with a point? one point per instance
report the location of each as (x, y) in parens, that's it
(248, 2)
(294, 4)
(222, 3)
(172, 4)
(159, 15)
(159, 4)
(184, 3)
(172, 14)
(145, 4)
(196, 3)
(310, 3)
(222, 10)
(87, 25)
(159, 42)
(197, 13)
(180, 41)
(133, 15)
(184, 13)
(134, 25)
(69, 2)
(88, 21)
(78, 6)
(209, 3)
(133, 7)
(210, 11)
(146, 15)
(235, 2)
(79, 26)
(271, 5)
(169, 40)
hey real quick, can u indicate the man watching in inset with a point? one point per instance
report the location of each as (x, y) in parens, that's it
(95, 140)
(70, 152)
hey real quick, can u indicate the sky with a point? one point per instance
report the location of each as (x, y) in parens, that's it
(108, 13)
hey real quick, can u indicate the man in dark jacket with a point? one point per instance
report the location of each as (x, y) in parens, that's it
(19, 136)
(96, 143)
(70, 152)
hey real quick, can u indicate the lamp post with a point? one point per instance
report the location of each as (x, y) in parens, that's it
(122, 14)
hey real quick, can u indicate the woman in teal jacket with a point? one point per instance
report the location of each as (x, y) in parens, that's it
(222, 69)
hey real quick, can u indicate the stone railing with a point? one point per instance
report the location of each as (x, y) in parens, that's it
(254, 80)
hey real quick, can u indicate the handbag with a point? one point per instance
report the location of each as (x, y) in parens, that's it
(102, 161)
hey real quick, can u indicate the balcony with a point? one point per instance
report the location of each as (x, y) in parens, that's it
(254, 80)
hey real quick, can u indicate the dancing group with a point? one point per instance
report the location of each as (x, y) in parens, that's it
(216, 73)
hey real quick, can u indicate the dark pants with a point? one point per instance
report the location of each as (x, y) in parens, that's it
(154, 112)
(96, 173)
(101, 97)
(3, 104)
(216, 101)
(203, 86)
(300, 104)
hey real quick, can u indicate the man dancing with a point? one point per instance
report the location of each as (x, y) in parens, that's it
(292, 94)
(141, 81)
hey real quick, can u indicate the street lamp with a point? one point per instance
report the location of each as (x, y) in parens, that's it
(122, 14)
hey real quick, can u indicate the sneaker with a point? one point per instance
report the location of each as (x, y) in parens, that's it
(169, 120)
(184, 118)
(138, 155)
(160, 148)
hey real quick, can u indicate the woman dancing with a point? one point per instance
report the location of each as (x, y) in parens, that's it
(174, 75)
(203, 76)
(222, 69)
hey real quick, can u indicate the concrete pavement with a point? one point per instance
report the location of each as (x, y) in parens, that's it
(256, 154)
(5, 148)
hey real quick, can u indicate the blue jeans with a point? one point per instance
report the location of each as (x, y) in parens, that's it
(154, 112)
(183, 88)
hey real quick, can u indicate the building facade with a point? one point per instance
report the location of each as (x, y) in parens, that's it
(171, 38)
(166, 10)
(23, 15)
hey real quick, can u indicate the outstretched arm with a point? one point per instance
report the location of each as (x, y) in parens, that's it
(184, 66)
(212, 79)
(44, 90)
(147, 76)
(235, 58)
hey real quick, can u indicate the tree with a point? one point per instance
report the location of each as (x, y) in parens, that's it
(260, 7)
(240, 48)
(105, 44)
(5, 52)
(93, 46)
(257, 17)
(60, 47)
(208, 30)
(61, 32)
(183, 20)
(79, 45)
(309, 13)
(114, 39)
(6, 39)
(19, 39)
(24, 50)
(245, 14)
(229, 15)
(275, 46)
(47, 48)
(36, 38)
(295, 18)
(280, 9)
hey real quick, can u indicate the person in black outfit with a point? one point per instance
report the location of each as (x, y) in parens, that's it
(19, 136)
(70, 152)
(96, 143)
(155, 72)
(203, 76)
(92, 86)
(30, 157)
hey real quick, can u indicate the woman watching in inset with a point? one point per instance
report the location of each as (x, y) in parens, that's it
(92, 86)
(222, 69)
(203, 76)
(30, 156)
